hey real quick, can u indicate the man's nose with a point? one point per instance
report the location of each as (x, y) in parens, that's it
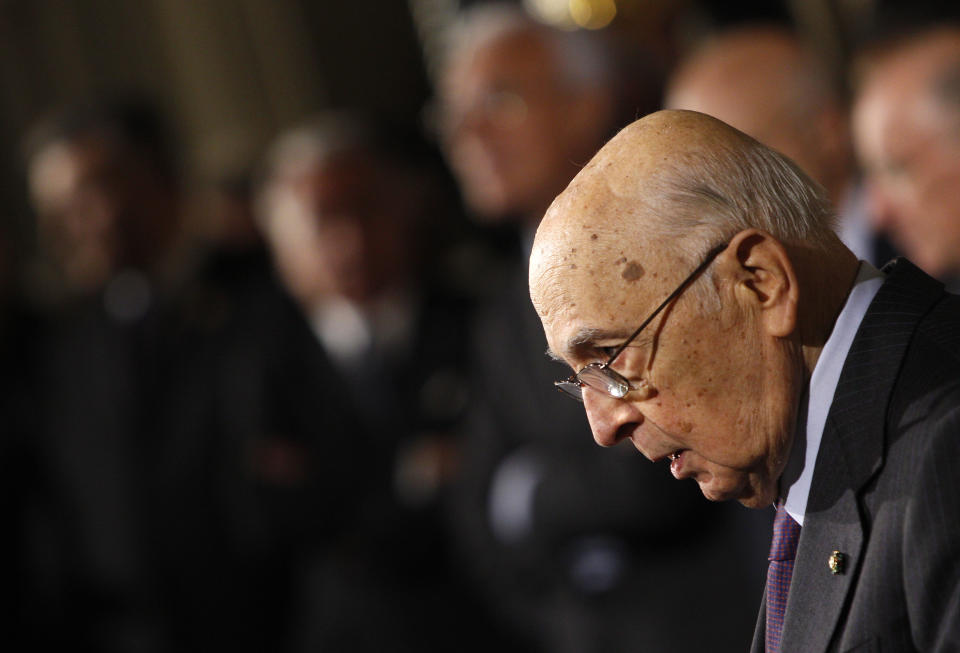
(610, 419)
(463, 121)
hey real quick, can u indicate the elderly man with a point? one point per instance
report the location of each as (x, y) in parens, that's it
(907, 131)
(691, 278)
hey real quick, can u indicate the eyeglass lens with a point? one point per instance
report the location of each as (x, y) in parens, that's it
(597, 376)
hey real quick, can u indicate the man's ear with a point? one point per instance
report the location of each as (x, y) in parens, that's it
(765, 279)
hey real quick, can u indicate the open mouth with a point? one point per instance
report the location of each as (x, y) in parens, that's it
(676, 463)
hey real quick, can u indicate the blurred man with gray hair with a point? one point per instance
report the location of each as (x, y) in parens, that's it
(907, 129)
(522, 106)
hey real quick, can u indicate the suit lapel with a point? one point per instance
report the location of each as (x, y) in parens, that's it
(760, 632)
(817, 596)
(851, 452)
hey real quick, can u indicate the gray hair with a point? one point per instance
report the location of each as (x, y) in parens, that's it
(708, 196)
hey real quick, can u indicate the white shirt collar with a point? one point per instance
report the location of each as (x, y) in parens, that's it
(347, 329)
(795, 482)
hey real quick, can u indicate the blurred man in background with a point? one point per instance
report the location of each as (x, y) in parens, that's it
(350, 208)
(104, 186)
(907, 128)
(765, 81)
(192, 450)
(522, 109)
(566, 540)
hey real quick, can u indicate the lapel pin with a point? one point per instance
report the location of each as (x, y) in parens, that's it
(836, 562)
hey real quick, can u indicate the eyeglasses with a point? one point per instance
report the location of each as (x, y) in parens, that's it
(600, 376)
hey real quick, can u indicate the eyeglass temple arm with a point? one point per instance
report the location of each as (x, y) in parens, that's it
(708, 259)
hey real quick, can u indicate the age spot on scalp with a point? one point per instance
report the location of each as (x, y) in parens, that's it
(632, 271)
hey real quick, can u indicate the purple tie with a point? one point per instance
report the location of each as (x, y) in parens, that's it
(783, 549)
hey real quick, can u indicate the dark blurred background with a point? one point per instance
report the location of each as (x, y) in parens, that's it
(232, 73)
(269, 376)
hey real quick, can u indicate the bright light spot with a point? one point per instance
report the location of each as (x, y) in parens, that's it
(593, 14)
(573, 14)
(551, 12)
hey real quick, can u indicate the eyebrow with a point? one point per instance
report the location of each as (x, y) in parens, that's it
(585, 336)
(552, 355)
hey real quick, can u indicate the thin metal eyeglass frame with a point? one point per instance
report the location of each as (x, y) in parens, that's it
(604, 368)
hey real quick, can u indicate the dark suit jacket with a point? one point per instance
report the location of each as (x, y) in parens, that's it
(886, 490)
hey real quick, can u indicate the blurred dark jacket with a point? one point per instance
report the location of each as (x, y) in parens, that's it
(190, 460)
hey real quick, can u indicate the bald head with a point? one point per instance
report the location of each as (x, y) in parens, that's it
(610, 211)
(678, 182)
(766, 82)
(629, 231)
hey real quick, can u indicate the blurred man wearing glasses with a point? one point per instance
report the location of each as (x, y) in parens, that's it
(906, 123)
(691, 279)
(577, 548)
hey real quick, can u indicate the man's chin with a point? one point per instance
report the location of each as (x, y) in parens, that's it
(720, 491)
(714, 495)
(751, 496)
